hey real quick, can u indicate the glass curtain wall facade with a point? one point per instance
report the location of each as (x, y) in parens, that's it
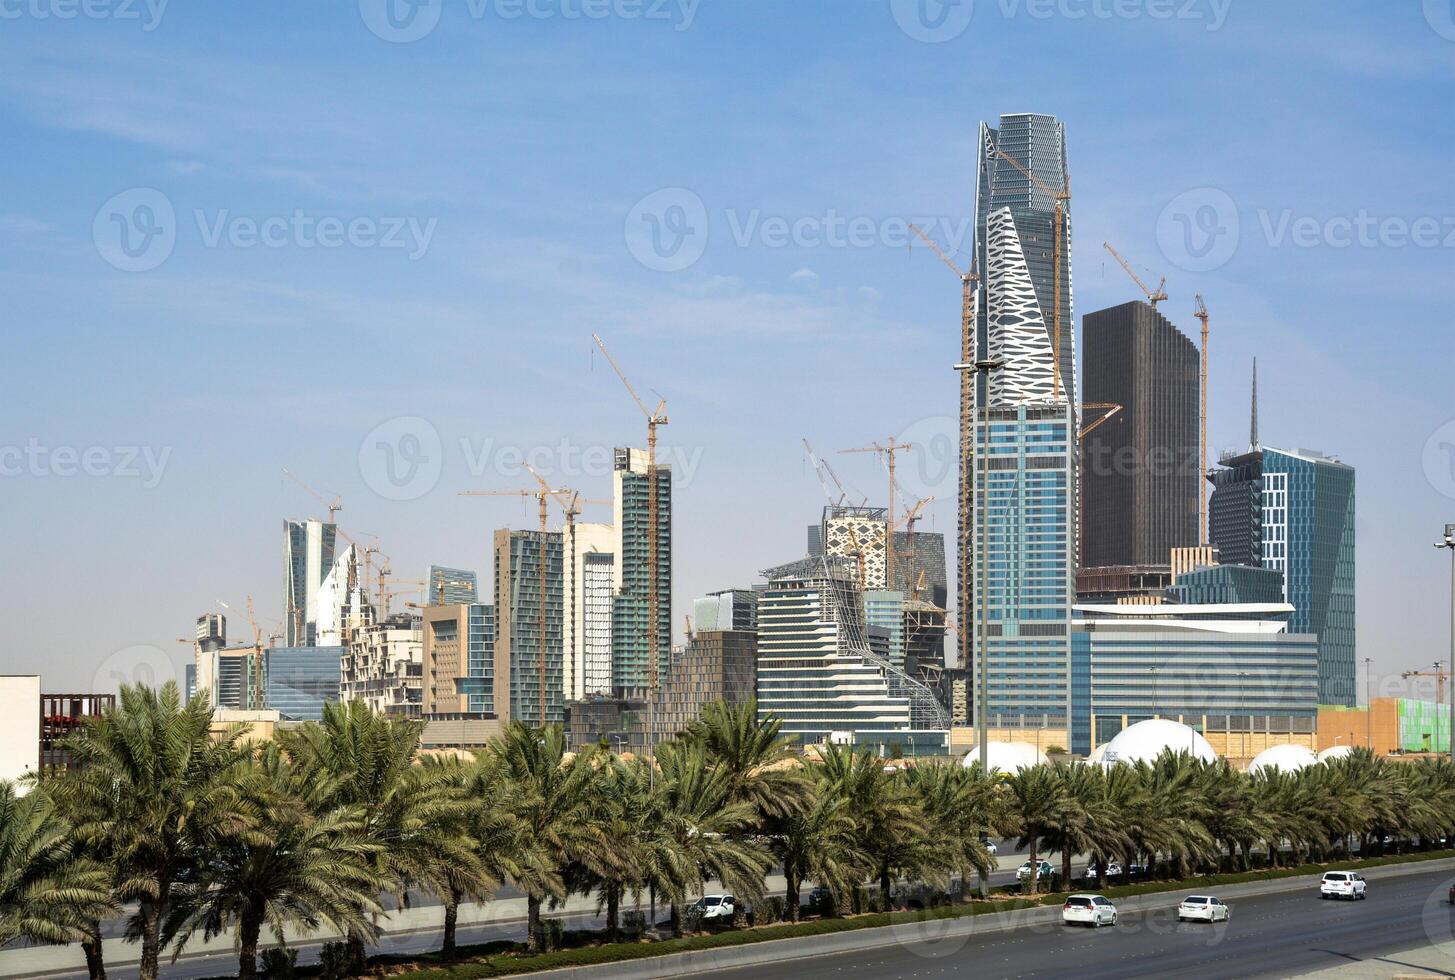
(299, 680)
(308, 548)
(521, 620)
(631, 608)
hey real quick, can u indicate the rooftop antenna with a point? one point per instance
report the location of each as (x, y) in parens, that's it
(1253, 427)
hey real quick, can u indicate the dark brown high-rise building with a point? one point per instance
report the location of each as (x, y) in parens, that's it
(1140, 476)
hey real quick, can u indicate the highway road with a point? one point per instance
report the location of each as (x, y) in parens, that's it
(1267, 936)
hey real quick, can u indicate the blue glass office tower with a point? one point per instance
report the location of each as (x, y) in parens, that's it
(1022, 463)
(298, 680)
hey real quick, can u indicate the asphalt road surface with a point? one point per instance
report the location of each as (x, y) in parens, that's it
(1267, 936)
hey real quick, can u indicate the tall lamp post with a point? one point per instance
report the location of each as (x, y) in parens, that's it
(1449, 543)
(1369, 700)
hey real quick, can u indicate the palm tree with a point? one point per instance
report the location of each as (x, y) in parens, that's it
(1174, 783)
(892, 827)
(156, 793)
(760, 763)
(367, 761)
(1038, 804)
(301, 861)
(962, 807)
(818, 843)
(1091, 824)
(625, 803)
(48, 892)
(553, 798)
(705, 829)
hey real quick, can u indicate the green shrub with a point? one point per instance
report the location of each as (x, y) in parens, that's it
(279, 962)
(333, 961)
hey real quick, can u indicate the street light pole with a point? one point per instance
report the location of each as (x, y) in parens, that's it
(1369, 700)
(1449, 543)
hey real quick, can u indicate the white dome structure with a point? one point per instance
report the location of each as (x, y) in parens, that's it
(1006, 757)
(1336, 752)
(1146, 740)
(1097, 754)
(1284, 758)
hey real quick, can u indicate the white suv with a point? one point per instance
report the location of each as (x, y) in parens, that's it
(1343, 884)
(713, 907)
(1088, 910)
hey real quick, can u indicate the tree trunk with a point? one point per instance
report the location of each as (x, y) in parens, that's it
(532, 923)
(452, 917)
(151, 924)
(248, 928)
(1035, 869)
(613, 912)
(1066, 868)
(674, 914)
(91, 945)
(885, 886)
(790, 877)
(358, 960)
(1101, 874)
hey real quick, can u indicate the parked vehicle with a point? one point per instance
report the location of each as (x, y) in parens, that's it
(714, 907)
(1204, 907)
(1343, 884)
(1113, 870)
(1088, 910)
(1046, 871)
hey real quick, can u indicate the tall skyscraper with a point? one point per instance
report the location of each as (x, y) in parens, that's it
(299, 680)
(211, 638)
(1292, 510)
(1140, 476)
(590, 589)
(631, 608)
(524, 560)
(308, 548)
(1024, 459)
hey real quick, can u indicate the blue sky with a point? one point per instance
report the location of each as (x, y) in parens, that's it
(447, 219)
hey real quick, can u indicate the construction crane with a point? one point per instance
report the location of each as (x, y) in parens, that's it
(913, 515)
(825, 473)
(969, 301)
(889, 453)
(1058, 251)
(259, 701)
(1200, 311)
(386, 595)
(858, 557)
(1439, 673)
(1107, 409)
(541, 496)
(655, 417)
(1153, 298)
(334, 506)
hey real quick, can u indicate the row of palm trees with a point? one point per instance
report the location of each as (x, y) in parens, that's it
(183, 832)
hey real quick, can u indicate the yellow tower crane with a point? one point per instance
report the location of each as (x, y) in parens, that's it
(655, 417)
(1153, 298)
(889, 454)
(541, 496)
(1200, 311)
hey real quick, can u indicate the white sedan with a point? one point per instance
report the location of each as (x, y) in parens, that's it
(1204, 907)
(1088, 910)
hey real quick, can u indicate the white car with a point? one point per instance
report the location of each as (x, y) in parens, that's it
(1088, 910)
(715, 907)
(1113, 870)
(990, 847)
(1343, 884)
(1204, 907)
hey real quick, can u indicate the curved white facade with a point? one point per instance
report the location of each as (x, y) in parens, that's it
(1284, 758)
(1337, 752)
(1006, 757)
(1146, 740)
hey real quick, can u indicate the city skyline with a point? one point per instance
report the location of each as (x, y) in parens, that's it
(194, 380)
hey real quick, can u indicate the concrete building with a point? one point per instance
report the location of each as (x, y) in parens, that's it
(240, 681)
(308, 554)
(210, 639)
(1133, 662)
(860, 535)
(717, 665)
(525, 628)
(61, 716)
(1388, 726)
(1145, 584)
(815, 670)
(383, 666)
(452, 586)
(1141, 470)
(462, 675)
(590, 587)
(19, 726)
(299, 680)
(631, 626)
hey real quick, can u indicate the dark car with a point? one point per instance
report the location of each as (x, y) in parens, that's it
(1451, 896)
